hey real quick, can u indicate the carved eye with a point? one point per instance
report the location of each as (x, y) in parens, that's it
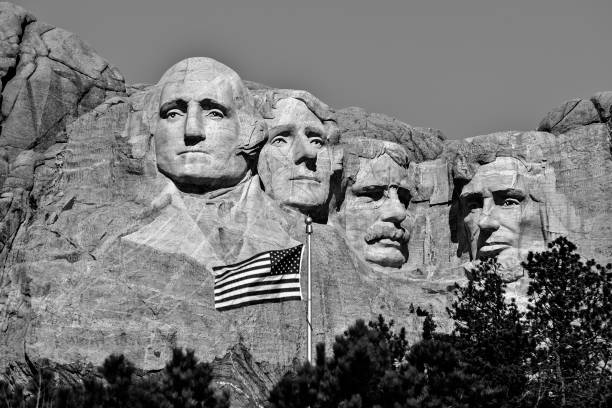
(315, 138)
(371, 195)
(473, 204)
(280, 138)
(174, 113)
(511, 202)
(215, 114)
(404, 196)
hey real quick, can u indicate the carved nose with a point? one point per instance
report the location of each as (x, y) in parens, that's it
(488, 223)
(194, 130)
(392, 209)
(303, 152)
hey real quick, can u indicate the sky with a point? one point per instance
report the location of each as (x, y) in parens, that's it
(466, 67)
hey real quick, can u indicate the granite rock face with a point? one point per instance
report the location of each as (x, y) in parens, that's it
(49, 78)
(577, 113)
(117, 201)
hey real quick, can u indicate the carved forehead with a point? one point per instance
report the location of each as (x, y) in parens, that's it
(381, 171)
(198, 69)
(203, 76)
(293, 111)
(503, 173)
(218, 90)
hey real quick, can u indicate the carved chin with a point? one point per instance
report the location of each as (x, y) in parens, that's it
(303, 195)
(390, 256)
(303, 202)
(500, 251)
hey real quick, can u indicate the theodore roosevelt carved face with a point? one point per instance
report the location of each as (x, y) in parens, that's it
(297, 163)
(375, 204)
(204, 126)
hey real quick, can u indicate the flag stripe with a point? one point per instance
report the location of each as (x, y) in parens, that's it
(252, 283)
(237, 264)
(258, 301)
(269, 276)
(220, 274)
(263, 267)
(264, 289)
(256, 280)
(272, 295)
(247, 275)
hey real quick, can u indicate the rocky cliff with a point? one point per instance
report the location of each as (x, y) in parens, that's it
(103, 252)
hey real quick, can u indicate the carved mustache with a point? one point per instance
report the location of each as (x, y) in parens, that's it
(380, 231)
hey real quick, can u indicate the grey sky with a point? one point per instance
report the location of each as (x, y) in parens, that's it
(467, 67)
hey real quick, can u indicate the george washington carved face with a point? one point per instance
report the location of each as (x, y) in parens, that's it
(200, 126)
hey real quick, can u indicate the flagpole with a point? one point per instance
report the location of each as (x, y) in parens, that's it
(308, 222)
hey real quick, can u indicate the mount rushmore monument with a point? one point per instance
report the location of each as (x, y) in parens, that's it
(117, 201)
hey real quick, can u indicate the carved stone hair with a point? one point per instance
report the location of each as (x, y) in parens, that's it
(356, 148)
(523, 146)
(266, 101)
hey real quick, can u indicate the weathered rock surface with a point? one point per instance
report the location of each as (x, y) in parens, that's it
(248, 381)
(49, 78)
(577, 113)
(97, 259)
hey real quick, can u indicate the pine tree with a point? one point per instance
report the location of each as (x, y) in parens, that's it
(363, 371)
(186, 383)
(570, 321)
(491, 336)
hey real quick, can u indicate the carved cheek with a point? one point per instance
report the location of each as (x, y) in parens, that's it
(168, 141)
(324, 167)
(471, 221)
(358, 218)
(222, 133)
(509, 218)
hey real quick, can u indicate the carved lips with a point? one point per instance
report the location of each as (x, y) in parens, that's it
(193, 151)
(305, 178)
(492, 248)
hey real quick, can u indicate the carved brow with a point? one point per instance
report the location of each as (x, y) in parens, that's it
(175, 104)
(510, 192)
(370, 188)
(471, 196)
(277, 130)
(312, 131)
(209, 104)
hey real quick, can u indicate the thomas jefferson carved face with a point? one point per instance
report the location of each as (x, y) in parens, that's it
(495, 210)
(375, 211)
(198, 129)
(295, 165)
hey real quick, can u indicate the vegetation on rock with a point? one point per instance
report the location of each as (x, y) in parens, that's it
(184, 383)
(556, 354)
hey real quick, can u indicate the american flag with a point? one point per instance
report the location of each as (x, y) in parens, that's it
(268, 277)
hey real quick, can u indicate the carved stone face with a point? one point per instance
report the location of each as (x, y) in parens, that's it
(295, 165)
(374, 210)
(198, 130)
(495, 210)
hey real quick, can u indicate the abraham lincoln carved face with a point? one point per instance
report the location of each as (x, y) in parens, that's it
(497, 211)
